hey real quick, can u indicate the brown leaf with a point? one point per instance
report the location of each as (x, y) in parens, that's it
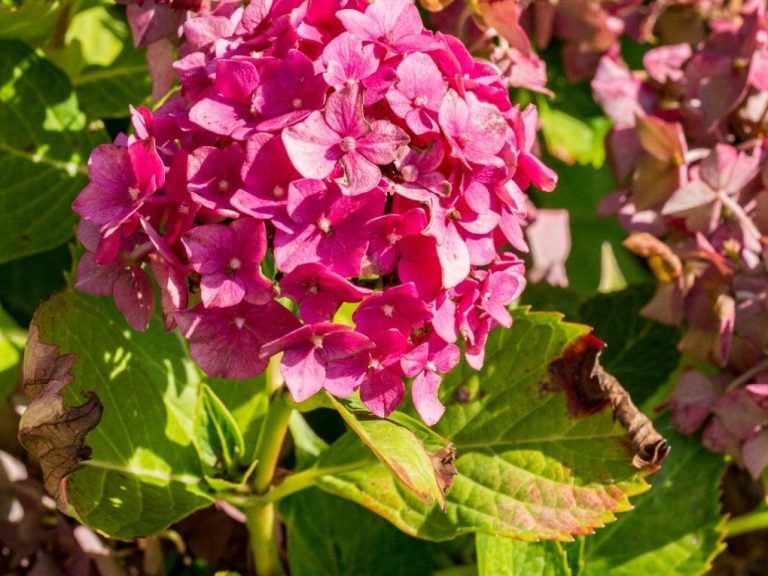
(49, 430)
(664, 263)
(591, 389)
(443, 463)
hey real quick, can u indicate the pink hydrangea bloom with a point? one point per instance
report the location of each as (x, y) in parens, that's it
(330, 154)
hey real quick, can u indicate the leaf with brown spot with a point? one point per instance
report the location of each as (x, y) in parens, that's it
(528, 467)
(590, 389)
(49, 430)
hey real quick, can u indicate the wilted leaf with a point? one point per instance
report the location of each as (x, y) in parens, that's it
(53, 433)
(664, 263)
(529, 465)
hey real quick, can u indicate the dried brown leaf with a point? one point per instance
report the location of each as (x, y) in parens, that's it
(592, 389)
(49, 430)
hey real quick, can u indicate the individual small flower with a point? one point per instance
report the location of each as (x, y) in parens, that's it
(418, 93)
(225, 342)
(342, 135)
(394, 25)
(325, 225)
(228, 260)
(375, 371)
(318, 291)
(423, 363)
(348, 61)
(475, 131)
(398, 308)
(288, 92)
(122, 178)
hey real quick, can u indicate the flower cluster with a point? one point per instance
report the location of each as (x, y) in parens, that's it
(319, 154)
(689, 146)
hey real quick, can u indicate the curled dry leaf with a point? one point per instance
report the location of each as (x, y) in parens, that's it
(591, 389)
(49, 430)
(443, 461)
(664, 263)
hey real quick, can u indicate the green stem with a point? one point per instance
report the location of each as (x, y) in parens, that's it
(294, 483)
(752, 522)
(261, 518)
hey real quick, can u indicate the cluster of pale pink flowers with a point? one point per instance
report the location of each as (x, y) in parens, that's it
(319, 154)
(690, 148)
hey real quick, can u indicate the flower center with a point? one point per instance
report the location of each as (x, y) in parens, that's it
(234, 265)
(223, 185)
(409, 172)
(325, 225)
(374, 364)
(388, 310)
(464, 140)
(393, 238)
(312, 289)
(133, 193)
(431, 366)
(420, 101)
(317, 341)
(278, 191)
(239, 322)
(348, 144)
(297, 103)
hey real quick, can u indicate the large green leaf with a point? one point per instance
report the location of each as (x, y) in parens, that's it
(44, 145)
(333, 537)
(675, 529)
(531, 463)
(505, 557)
(30, 20)
(144, 472)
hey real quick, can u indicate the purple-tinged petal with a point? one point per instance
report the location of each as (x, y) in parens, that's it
(135, 297)
(382, 392)
(454, 257)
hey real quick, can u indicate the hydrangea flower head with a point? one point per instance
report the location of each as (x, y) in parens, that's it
(319, 155)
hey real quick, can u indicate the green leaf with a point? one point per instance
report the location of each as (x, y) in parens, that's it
(44, 145)
(216, 435)
(333, 537)
(531, 464)
(31, 20)
(247, 401)
(675, 528)
(11, 344)
(29, 281)
(144, 472)
(571, 139)
(399, 449)
(505, 557)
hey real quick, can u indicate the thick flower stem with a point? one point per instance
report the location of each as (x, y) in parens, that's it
(260, 518)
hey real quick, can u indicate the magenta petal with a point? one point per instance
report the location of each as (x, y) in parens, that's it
(360, 175)
(312, 146)
(381, 144)
(424, 393)
(454, 257)
(135, 297)
(382, 392)
(304, 375)
(414, 362)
